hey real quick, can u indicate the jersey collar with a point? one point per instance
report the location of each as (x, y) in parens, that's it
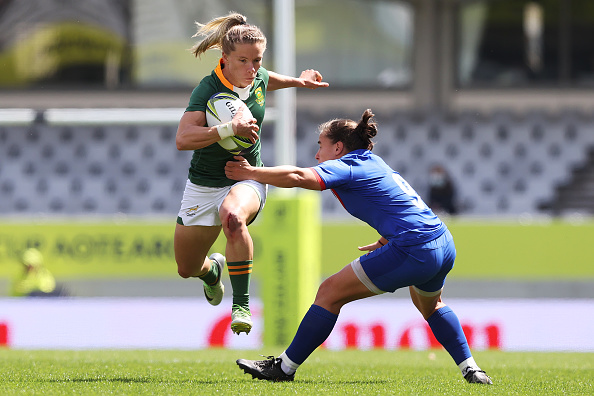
(243, 93)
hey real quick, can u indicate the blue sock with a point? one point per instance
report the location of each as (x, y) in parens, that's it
(447, 330)
(315, 327)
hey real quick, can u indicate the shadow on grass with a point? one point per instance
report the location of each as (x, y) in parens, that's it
(134, 380)
(323, 381)
(83, 380)
(344, 382)
(227, 380)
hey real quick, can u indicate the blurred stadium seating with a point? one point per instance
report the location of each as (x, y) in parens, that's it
(501, 164)
(86, 170)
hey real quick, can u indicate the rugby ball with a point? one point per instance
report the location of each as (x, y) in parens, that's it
(220, 108)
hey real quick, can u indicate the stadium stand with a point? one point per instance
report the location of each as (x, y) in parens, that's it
(576, 194)
(501, 164)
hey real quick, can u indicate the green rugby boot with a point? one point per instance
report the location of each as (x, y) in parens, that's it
(241, 319)
(214, 293)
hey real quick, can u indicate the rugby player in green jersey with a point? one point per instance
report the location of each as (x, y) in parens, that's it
(211, 201)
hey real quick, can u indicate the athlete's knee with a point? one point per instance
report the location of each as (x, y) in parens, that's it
(428, 306)
(325, 288)
(184, 273)
(326, 297)
(232, 223)
(189, 270)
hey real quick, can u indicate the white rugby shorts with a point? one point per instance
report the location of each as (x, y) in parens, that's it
(200, 205)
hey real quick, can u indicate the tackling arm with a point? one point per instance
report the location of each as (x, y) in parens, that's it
(285, 176)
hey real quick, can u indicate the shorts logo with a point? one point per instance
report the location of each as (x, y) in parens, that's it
(259, 96)
(192, 211)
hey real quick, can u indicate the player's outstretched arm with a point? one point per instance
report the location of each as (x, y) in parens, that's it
(309, 78)
(280, 176)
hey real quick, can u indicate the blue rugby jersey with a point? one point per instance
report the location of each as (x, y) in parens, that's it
(372, 191)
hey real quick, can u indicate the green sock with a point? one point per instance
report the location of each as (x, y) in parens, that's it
(240, 273)
(212, 276)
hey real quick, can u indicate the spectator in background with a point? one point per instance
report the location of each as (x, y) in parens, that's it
(442, 192)
(35, 280)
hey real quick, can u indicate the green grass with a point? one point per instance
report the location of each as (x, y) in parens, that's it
(351, 372)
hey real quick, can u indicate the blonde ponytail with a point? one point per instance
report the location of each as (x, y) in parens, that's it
(225, 32)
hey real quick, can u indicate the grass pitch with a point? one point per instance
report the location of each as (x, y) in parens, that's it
(350, 372)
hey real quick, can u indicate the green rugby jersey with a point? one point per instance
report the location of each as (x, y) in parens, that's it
(207, 167)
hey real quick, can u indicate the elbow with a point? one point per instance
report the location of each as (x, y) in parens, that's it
(293, 179)
(287, 181)
(299, 182)
(179, 144)
(303, 182)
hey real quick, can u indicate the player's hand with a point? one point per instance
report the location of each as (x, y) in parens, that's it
(238, 169)
(245, 126)
(312, 79)
(371, 247)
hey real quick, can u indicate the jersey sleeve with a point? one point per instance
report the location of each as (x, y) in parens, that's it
(201, 94)
(264, 75)
(333, 173)
(318, 178)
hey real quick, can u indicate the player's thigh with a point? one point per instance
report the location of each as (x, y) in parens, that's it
(340, 289)
(242, 201)
(192, 243)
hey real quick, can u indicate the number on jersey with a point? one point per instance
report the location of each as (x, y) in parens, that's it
(408, 190)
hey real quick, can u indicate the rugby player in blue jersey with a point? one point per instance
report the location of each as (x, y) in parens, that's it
(415, 248)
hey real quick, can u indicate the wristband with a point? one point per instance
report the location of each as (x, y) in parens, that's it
(380, 242)
(225, 130)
